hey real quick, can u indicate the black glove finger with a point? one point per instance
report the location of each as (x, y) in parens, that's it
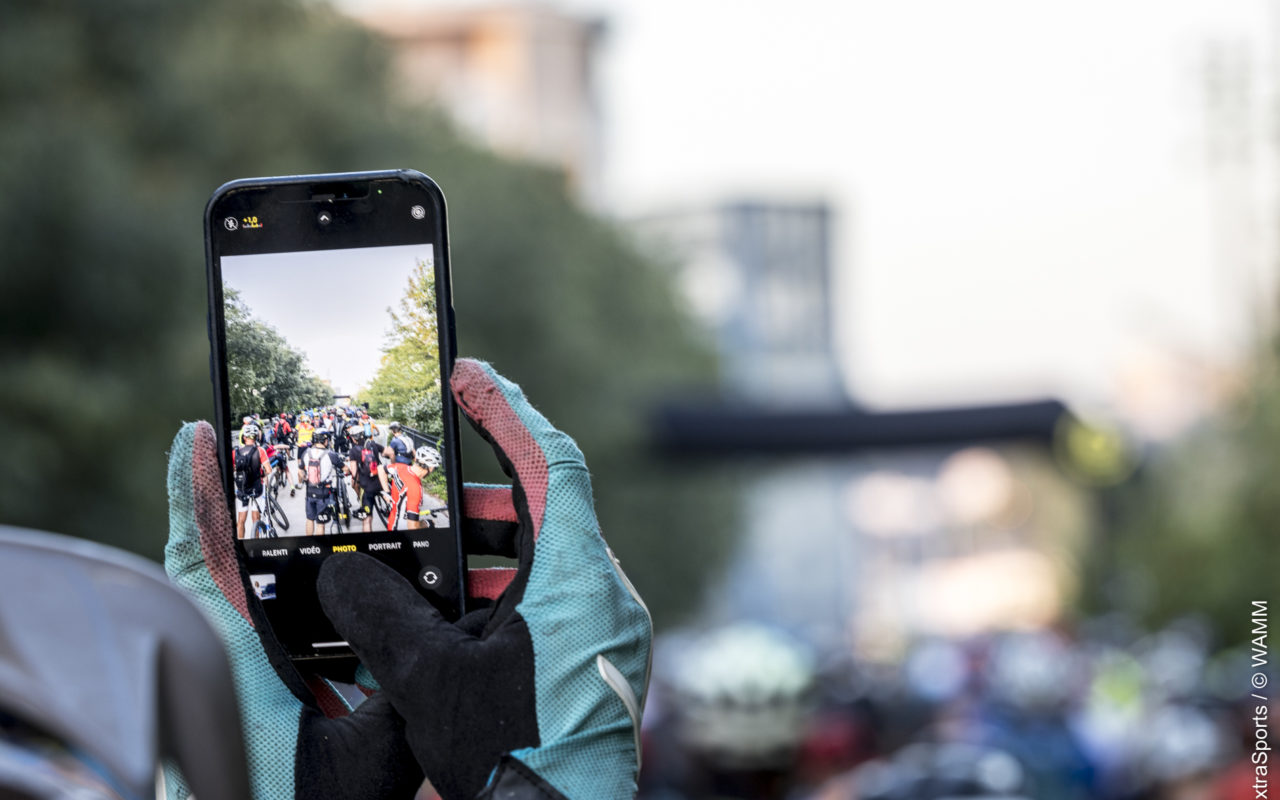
(383, 617)
(465, 701)
(361, 756)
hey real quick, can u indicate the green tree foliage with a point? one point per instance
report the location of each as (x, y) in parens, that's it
(265, 374)
(1196, 532)
(407, 384)
(118, 119)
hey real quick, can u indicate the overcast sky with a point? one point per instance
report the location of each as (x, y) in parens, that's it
(1023, 200)
(330, 304)
(1022, 192)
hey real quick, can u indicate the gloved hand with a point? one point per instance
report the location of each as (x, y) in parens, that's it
(301, 739)
(539, 694)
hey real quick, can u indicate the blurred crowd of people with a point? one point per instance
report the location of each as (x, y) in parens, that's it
(1103, 711)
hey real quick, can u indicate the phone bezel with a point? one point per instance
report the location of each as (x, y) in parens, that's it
(448, 351)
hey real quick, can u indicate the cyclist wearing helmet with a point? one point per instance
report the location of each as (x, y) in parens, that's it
(365, 466)
(405, 484)
(317, 469)
(304, 433)
(428, 457)
(306, 427)
(282, 431)
(399, 447)
(341, 439)
(249, 466)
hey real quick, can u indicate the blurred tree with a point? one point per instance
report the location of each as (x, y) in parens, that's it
(265, 374)
(117, 120)
(1195, 533)
(407, 385)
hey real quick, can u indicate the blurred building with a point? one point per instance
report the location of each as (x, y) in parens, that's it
(861, 528)
(521, 78)
(758, 273)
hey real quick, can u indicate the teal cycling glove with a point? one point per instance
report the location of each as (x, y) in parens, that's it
(539, 693)
(301, 739)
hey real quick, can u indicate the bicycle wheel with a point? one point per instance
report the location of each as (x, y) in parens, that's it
(383, 507)
(344, 507)
(276, 511)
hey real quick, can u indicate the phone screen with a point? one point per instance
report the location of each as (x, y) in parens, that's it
(338, 432)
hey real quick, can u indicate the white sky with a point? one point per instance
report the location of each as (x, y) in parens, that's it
(330, 304)
(1023, 197)
(1022, 190)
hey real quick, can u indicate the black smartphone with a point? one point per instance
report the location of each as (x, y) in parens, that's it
(331, 324)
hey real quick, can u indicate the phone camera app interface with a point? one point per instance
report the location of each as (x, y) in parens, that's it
(333, 368)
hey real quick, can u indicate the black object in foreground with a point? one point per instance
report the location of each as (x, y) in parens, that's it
(100, 651)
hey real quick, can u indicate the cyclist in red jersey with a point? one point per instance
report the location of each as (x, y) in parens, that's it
(404, 482)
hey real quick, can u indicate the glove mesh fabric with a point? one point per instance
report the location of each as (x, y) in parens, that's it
(576, 607)
(269, 711)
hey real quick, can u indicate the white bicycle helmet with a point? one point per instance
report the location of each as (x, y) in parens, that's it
(744, 695)
(250, 431)
(427, 456)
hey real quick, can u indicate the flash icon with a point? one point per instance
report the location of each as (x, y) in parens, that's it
(231, 223)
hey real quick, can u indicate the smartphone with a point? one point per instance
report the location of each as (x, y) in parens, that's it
(331, 324)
